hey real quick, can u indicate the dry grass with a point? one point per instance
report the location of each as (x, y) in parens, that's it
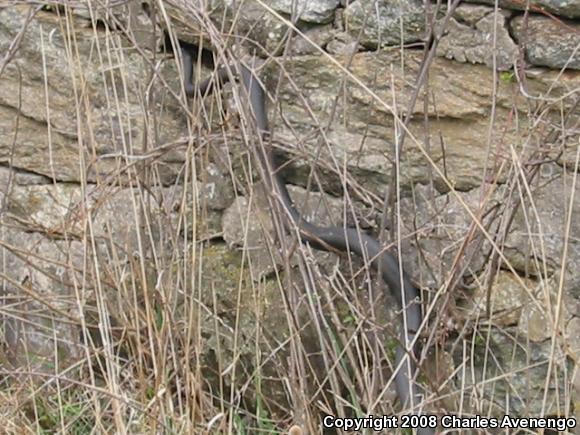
(151, 289)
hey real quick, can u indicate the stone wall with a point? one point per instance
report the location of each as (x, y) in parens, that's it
(133, 226)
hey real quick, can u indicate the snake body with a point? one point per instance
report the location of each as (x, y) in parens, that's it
(334, 238)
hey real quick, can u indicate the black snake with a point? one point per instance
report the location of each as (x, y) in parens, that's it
(330, 238)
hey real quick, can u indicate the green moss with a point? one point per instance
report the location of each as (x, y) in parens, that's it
(391, 347)
(221, 262)
(507, 76)
(73, 414)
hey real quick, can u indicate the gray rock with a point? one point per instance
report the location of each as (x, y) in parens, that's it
(549, 42)
(45, 207)
(564, 8)
(206, 199)
(361, 135)
(319, 35)
(572, 297)
(378, 23)
(537, 239)
(473, 42)
(534, 322)
(441, 222)
(470, 14)
(112, 126)
(58, 207)
(507, 300)
(313, 11)
(342, 44)
(39, 316)
(248, 224)
(573, 342)
(519, 370)
(20, 178)
(263, 33)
